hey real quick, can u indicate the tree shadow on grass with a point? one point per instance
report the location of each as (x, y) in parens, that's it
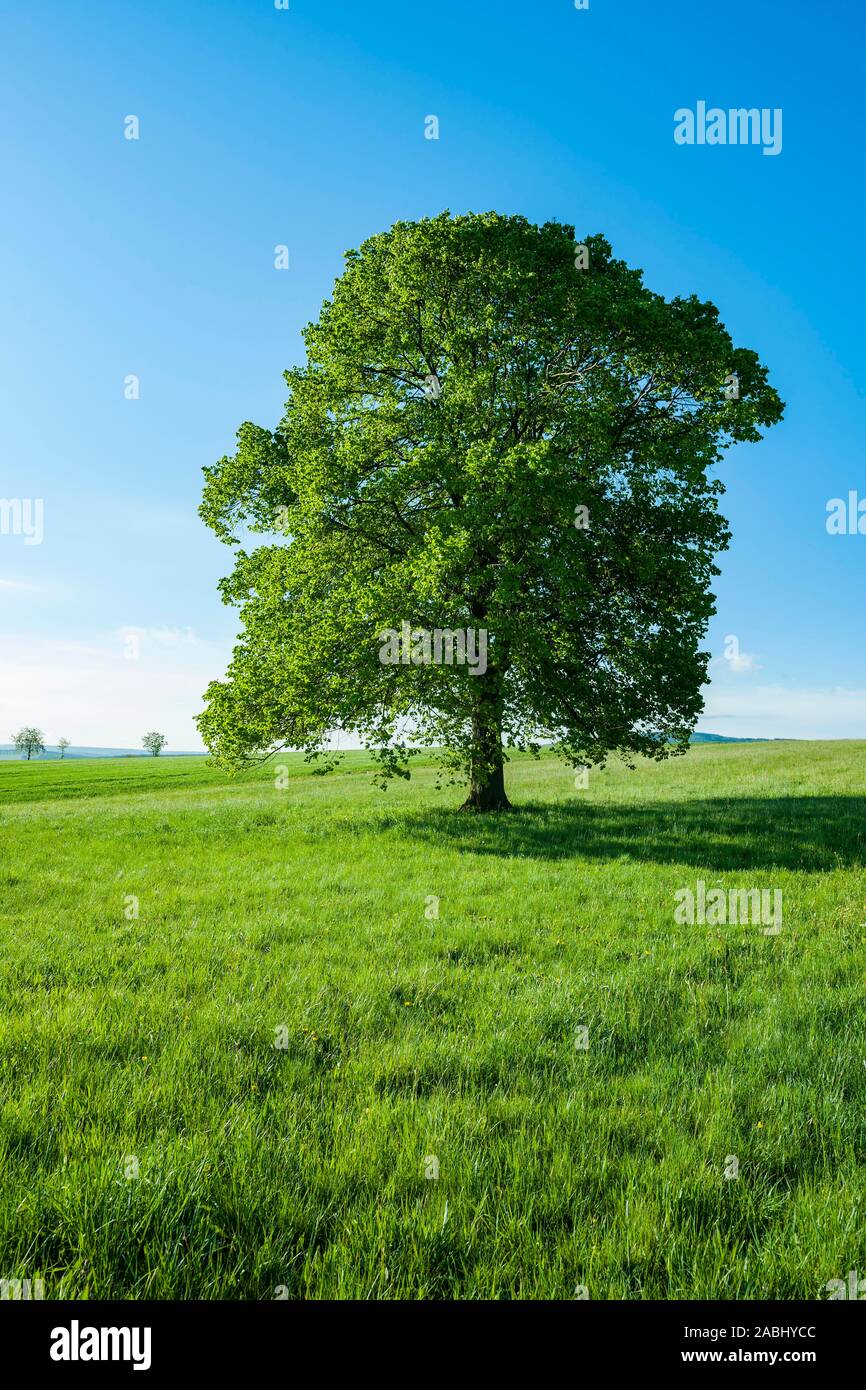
(806, 833)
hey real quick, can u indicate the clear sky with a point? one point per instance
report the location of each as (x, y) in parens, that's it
(305, 127)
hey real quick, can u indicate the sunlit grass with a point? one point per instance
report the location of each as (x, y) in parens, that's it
(306, 917)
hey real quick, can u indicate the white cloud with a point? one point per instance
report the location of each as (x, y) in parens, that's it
(17, 586)
(734, 660)
(159, 636)
(778, 711)
(743, 661)
(101, 693)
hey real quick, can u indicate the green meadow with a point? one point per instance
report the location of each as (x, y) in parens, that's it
(243, 1028)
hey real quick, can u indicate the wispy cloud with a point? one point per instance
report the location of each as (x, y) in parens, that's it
(742, 661)
(734, 660)
(18, 586)
(171, 637)
(106, 691)
(779, 711)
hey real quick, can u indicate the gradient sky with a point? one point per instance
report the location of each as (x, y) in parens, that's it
(261, 126)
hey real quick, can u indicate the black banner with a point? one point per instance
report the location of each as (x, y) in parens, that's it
(158, 1339)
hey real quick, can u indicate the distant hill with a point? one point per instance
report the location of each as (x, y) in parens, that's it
(722, 738)
(7, 750)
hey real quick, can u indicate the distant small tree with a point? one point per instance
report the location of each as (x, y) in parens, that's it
(62, 744)
(29, 741)
(154, 743)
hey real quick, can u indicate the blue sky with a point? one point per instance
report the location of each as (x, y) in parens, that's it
(305, 127)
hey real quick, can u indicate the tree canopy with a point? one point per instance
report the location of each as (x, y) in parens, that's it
(29, 740)
(497, 431)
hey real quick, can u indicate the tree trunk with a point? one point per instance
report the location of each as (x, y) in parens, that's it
(487, 765)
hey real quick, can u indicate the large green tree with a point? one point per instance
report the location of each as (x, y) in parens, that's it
(496, 431)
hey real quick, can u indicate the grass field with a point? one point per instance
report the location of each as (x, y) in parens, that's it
(234, 1094)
